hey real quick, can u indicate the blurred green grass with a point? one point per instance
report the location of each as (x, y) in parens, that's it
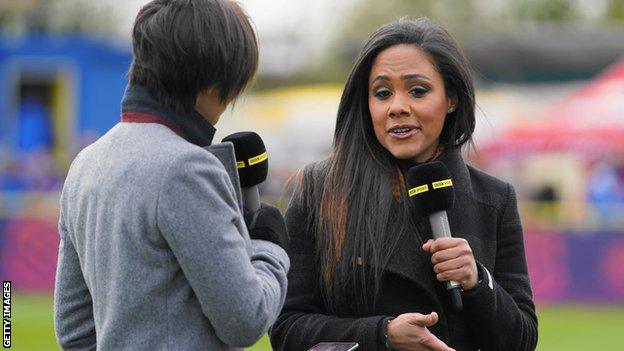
(561, 327)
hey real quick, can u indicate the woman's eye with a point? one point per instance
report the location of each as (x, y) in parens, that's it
(382, 94)
(418, 91)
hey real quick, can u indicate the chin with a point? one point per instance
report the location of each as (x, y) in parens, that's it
(404, 154)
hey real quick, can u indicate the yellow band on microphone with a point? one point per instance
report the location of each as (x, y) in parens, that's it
(240, 164)
(417, 190)
(442, 183)
(263, 156)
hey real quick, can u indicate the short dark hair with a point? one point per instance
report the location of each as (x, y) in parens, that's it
(184, 47)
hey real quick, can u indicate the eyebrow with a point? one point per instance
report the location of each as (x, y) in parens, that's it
(405, 77)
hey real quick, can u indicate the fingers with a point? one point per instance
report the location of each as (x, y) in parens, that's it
(451, 253)
(427, 246)
(409, 332)
(423, 320)
(436, 344)
(445, 249)
(452, 264)
(417, 318)
(453, 260)
(447, 243)
(466, 274)
(460, 275)
(432, 319)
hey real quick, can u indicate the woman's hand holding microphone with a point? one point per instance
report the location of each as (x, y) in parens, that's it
(452, 259)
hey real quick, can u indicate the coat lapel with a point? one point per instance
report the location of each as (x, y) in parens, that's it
(409, 261)
(452, 159)
(225, 153)
(464, 211)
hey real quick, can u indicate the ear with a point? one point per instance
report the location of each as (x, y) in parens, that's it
(451, 102)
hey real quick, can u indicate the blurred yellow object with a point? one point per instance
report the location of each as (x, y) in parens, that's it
(63, 102)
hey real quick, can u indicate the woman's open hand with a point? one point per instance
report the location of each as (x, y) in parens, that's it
(453, 260)
(409, 332)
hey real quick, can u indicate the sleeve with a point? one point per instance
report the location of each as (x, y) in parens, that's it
(73, 309)
(500, 308)
(241, 294)
(304, 321)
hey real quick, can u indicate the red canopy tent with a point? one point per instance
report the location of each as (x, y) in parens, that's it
(589, 121)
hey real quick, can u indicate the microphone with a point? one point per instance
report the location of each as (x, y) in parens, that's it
(252, 163)
(430, 188)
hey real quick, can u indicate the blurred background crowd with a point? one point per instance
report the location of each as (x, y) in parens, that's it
(550, 96)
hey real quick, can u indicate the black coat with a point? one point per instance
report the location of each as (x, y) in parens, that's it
(498, 314)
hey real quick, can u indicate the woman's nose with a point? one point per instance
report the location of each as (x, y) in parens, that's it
(399, 107)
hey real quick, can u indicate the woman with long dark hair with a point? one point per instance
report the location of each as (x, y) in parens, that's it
(364, 266)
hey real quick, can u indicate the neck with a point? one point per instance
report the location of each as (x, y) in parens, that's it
(437, 151)
(193, 127)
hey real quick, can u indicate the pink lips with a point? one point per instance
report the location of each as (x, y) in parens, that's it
(403, 131)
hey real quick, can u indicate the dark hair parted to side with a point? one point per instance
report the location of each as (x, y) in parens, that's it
(362, 208)
(184, 47)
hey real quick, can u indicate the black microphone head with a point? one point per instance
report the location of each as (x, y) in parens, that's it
(430, 187)
(252, 160)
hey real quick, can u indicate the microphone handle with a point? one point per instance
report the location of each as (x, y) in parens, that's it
(440, 228)
(251, 199)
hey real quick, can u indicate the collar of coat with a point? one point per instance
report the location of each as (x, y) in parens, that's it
(138, 105)
(453, 160)
(409, 261)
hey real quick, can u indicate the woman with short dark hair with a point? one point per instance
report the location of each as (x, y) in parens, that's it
(183, 48)
(364, 266)
(154, 251)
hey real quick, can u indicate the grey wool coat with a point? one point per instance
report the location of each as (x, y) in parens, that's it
(154, 251)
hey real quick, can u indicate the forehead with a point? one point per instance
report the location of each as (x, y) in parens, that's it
(403, 59)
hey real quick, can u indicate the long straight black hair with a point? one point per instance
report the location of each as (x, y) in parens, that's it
(360, 207)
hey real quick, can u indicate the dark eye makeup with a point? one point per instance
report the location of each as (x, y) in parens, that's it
(418, 91)
(382, 93)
